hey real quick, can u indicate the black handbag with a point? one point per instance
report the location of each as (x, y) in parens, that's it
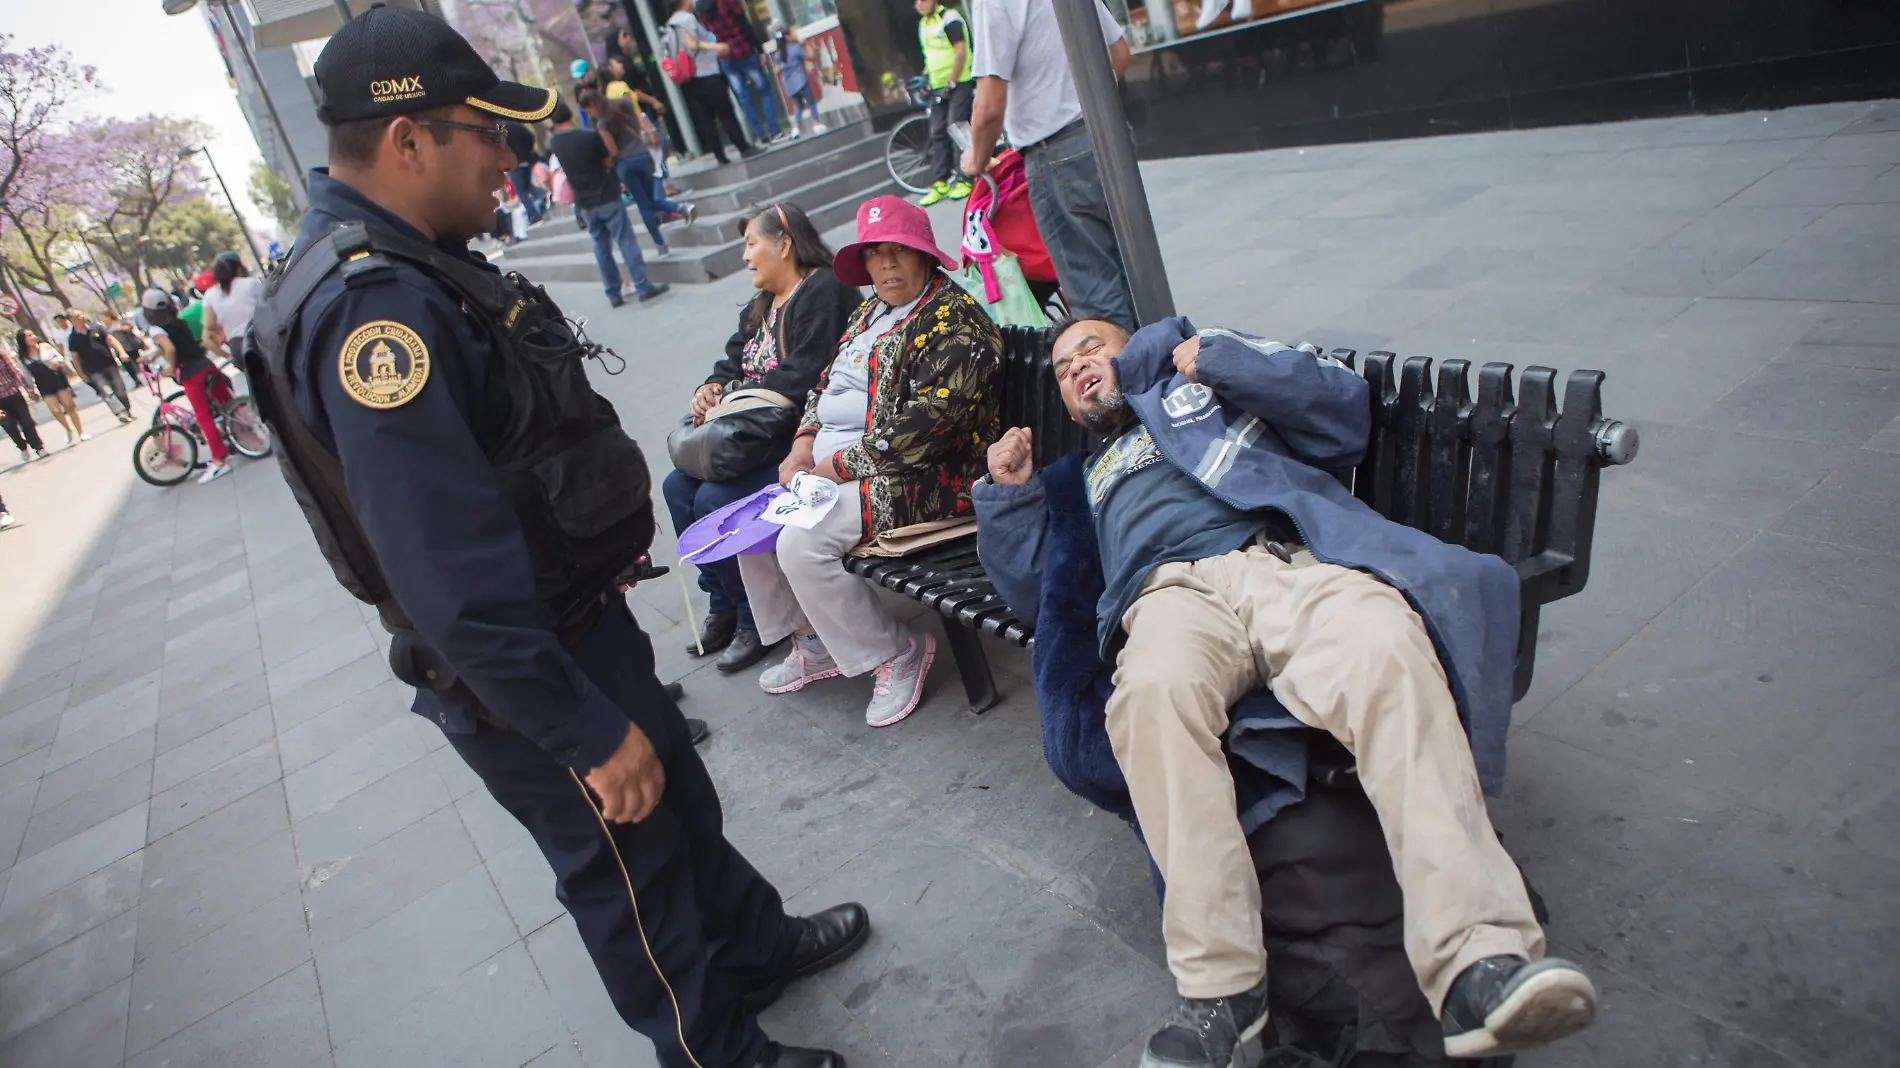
(746, 429)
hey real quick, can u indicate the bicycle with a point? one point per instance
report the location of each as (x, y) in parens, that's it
(167, 454)
(907, 152)
(233, 373)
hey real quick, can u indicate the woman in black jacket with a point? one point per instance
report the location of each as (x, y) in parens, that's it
(788, 334)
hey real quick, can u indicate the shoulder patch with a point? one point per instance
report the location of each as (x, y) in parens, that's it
(383, 364)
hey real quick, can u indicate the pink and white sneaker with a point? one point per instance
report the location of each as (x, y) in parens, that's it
(898, 683)
(808, 662)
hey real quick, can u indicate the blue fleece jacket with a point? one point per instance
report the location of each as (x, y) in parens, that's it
(1260, 428)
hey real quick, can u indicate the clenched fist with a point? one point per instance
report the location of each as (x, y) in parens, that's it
(705, 398)
(1012, 459)
(1185, 356)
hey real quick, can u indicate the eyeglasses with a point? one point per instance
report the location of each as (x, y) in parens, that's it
(494, 133)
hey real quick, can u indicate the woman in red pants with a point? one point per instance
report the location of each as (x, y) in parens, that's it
(185, 359)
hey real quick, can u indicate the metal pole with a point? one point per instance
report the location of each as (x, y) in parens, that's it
(1115, 157)
(674, 98)
(343, 9)
(256, 257)
(263, 93)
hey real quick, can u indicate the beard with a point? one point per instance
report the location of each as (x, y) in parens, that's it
(1106, 413)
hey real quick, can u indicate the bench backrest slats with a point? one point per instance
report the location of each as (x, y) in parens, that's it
(1032, 399)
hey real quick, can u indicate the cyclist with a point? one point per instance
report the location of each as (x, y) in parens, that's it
(945, 39)
(228, 305)
(187, 363)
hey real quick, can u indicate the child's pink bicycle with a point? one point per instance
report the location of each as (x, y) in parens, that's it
(167, 454)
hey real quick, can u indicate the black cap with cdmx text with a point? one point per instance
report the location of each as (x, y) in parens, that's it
(395, 61)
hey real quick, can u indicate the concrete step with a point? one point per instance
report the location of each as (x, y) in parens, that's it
(711, 228)
(772, 186)
(695, 178)
(574, 262)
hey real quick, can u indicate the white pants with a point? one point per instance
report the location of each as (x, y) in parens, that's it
(804, 583)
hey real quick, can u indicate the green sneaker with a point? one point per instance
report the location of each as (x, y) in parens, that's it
(938, 191)
(959, 190)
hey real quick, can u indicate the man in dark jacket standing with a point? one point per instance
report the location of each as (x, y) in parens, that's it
(99, 356)
(1233, 560)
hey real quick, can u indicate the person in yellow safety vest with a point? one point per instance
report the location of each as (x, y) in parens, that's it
(946, 42)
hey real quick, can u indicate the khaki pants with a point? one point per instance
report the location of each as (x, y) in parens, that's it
(803, 583)
(1346, 654)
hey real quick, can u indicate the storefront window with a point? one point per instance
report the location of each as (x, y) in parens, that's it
(1153, 23)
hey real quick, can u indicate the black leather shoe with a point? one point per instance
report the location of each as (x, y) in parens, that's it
(715, 633)
(697, 730)
(777, 1056)
(744, 651)
(828, 938)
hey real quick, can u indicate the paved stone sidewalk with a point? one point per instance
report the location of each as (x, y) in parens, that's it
(223, 840)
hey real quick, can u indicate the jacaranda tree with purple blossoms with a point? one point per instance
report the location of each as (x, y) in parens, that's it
(37, 89)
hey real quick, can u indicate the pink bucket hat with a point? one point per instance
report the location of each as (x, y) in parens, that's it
(887, 218)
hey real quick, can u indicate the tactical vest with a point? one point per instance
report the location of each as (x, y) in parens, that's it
(578, 483)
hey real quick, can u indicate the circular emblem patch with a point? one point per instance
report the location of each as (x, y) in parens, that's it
(383, 364)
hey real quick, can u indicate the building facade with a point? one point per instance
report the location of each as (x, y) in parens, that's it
(300, 142)
(1293, 72)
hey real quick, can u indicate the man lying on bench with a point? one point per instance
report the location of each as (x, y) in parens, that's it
(1233, 561)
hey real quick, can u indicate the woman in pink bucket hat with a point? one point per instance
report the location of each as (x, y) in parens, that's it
(901, 420)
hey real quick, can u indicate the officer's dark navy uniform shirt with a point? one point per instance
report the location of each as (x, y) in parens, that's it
(433, 508)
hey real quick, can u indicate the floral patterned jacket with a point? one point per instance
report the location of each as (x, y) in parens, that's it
(936, 406)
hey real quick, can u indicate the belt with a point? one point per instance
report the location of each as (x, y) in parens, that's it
(1033, 145)
(1279, 538)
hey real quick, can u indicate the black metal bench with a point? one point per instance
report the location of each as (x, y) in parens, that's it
(1507, 473)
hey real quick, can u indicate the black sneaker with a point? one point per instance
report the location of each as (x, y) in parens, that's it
(1209, 1032)
(658, 289)
(1502, 1005)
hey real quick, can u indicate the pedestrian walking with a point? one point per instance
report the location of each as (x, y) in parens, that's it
(229, 305)
(186, 362)
(794, 76)
(945, 39)
(1024, 87)
(627, 134)
(706, 92)
(462, 476)
(585, 158)
(15, 394)
(6, 517)
(134, 346)
(640, 80)
(740, 64)
(98, 357)
(521, 143)
(52, 376)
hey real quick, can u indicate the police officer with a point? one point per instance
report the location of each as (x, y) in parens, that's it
(436, 426)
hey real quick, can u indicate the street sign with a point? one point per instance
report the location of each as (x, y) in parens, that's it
(9, 307)
(114, 290)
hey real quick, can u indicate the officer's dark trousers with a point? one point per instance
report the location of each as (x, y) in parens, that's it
(701, 927)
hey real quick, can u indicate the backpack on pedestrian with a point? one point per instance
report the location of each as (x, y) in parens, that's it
(675, 61)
